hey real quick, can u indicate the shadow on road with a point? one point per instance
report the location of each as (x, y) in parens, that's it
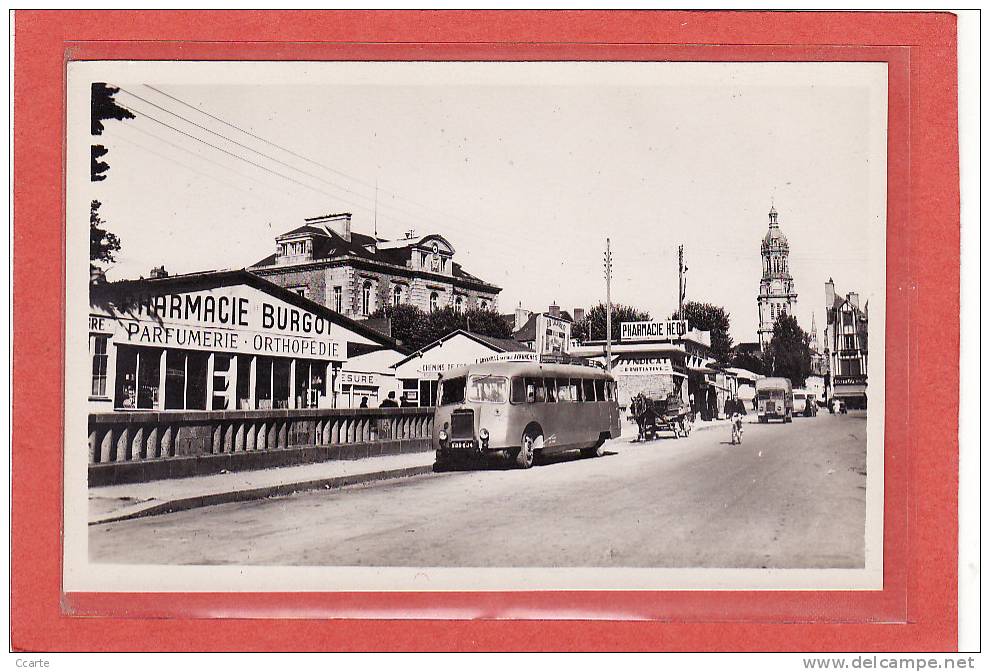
(495, 464)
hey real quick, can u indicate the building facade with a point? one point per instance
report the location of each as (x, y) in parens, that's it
(777, 296)
(355, 274)
(218, 341)
(846, 347)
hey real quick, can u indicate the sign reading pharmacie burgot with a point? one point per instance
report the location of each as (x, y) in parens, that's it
(237, 320)
(668, 330)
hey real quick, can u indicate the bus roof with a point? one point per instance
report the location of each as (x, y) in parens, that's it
(534, 369)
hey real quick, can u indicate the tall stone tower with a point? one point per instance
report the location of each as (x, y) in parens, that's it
(777, 296)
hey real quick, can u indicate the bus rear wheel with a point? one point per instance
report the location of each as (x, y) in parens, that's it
(531, 442)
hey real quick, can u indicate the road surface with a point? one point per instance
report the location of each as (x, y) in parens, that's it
(792, 496)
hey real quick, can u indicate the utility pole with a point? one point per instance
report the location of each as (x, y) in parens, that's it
(680, 282)
(608, 304)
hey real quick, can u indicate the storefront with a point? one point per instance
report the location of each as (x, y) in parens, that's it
(217, 341)
(419, 373)
(656, 359)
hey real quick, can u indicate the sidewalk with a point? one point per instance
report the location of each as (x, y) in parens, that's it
(134, 500)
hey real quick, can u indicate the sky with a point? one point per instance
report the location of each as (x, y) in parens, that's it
(526, 169)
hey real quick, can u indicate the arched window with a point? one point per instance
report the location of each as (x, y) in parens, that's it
(396, 295)
(458, 304)
(434, 297)
(484, 305)
(366, 298)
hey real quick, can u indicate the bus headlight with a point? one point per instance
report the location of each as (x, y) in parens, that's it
(484, 437)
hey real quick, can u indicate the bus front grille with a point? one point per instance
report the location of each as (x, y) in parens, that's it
(462, 424)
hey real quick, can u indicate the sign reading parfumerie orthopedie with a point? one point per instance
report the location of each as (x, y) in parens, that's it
(228, 319)
(668, 330)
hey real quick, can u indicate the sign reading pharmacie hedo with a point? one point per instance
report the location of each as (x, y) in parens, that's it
(667, 330)
(236, 319)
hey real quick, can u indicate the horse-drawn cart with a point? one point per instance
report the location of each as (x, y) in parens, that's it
(670, 414)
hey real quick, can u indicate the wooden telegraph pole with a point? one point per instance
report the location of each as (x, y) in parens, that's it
(680, 282)
(608, 304)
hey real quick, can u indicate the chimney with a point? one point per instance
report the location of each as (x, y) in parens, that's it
(853, 299)
(829, 294)
(521, 316)
(578, 314)
(554, 310)
(339, 223)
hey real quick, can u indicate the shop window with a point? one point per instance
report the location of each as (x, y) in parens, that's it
(396, 295)
(263, 383)
(434, 299)
(338, 299)
(244, 382)
(197, 366)
(280, 383)
(137, 381)
(366, 298)
(175, 380)
(98, 387)
(310, 382)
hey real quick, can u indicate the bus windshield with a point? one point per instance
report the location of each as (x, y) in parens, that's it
(491, 389)
(452, 391)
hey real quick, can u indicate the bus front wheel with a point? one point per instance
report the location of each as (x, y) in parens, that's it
(532, 441)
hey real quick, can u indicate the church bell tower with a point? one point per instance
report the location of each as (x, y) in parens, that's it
(777, 296)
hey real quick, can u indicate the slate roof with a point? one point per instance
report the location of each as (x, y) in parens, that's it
(329, 244)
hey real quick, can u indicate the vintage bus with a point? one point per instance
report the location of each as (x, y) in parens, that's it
(774, 399)
(518, 410)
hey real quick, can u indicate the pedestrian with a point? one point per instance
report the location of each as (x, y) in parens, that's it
(389, 401)
(364, 402)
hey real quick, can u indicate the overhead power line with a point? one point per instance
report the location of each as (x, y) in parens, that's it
(335, 171)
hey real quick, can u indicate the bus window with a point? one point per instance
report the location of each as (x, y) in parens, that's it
(589, 389)
(551, 385)
(491, 389)
(452, 391)
(567, 389)
(578, 390)
(535, 390)
(519, 391)
(600, 389)
(610, 390)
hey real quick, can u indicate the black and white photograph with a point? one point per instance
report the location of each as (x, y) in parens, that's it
(469, 325)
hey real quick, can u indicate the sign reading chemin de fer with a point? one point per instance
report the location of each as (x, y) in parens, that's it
(668, 330)
(230, 319)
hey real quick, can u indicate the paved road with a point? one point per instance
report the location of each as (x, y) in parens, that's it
(792, 496)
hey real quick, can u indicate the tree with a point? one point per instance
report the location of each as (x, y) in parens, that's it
(713, 319)
(407, 321)
(415, 328)
(592, 327)
(102, 106)
(748, 361)
(102, 243)
(789, 352)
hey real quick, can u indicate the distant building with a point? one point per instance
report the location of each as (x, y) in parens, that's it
(777, 296)
(549, 332)
(355, 274)
(846, 347)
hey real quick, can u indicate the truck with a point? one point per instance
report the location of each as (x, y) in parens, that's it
(774, 399)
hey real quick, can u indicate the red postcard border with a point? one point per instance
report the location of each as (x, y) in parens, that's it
(916, 610)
